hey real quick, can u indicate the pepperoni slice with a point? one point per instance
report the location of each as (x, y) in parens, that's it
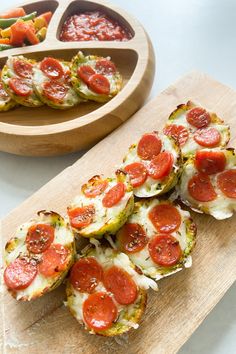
(54, 260)
(20, 273)
(39, 238)
(177, 132)
(132, 238)
(85, 274)
(105, 67)
(23, 68)
(94, 187)
(165, 217)
(201, 188)
(149, 146)
(85, 72)
(52, 68)
(81, 217)
(114, 195)
(208, 137)
(3, 94)
(99, 311)
(210, 162)
(121, 285)
(19, 87)
(161, 165)
(227, 183)
(54, 91)
(99, 84)
(198, 117)
(165, 250)
(137, 173)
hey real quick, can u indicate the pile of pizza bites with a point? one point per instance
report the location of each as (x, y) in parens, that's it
(136, 229)
(58, 83)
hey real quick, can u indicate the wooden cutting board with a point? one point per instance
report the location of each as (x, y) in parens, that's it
(183, 301)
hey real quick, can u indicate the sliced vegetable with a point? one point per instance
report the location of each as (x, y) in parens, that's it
(41, 34)
(6, 33)
(5, 46)
(4, 23)
(40, 22)
(47, 16)
(31, 36)
(4, 41)
(18, 33)
(17, 12)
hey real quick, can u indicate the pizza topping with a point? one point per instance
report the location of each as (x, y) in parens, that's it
(210, 162)
(52, 68)
(132, 238)
(94, 187)
(85, 274)
(149, 146)
(198, 117)
(3, 95)
(201, 188)
(165, 250)
(161, 165)
(121, 285)
(165, 217)
(23, 68)
(207, 137)
(39, 238)
(177, 132)
(54, 260)
(114, 195)
(19, 87)
(137, 173)
(20, 273)
(54, 91)
(99, 84)
(226, 181)
(105, 67)
(81, 216)
(99, 311)
(85, 72)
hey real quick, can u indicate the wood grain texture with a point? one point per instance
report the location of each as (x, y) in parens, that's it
(183, 300)
(44, 131)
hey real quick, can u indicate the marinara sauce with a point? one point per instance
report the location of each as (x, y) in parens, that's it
(93, 26)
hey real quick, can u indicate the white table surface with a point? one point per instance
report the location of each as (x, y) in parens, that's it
(187, 35)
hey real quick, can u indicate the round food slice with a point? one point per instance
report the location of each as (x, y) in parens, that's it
(152, 164)
(102, 207)
(105, 293)
(17, 79)
(95, 78)
(195, 128)
(38, 257)
(6, 102)
(52, 84)
(158, 238)
(208, 182)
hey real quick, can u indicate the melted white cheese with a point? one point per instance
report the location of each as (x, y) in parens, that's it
(152, 187)
(220, 208)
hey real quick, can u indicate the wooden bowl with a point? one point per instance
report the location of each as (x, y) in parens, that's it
(45, 131)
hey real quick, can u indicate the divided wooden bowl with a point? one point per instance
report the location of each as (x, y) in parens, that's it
(45, 131)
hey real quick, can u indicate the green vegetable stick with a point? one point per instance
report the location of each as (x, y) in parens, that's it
(7, 22)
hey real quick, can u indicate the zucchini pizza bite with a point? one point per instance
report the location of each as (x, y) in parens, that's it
(208, 182)
(95, 78)
(38, 257)
(105, 293)
(102, 207)
(52, 84)
(153, 165)
(194, 128)
(17, 76)
(6, 102)
(158, 237)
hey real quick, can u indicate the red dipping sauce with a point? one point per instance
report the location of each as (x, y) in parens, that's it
(93, 26)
